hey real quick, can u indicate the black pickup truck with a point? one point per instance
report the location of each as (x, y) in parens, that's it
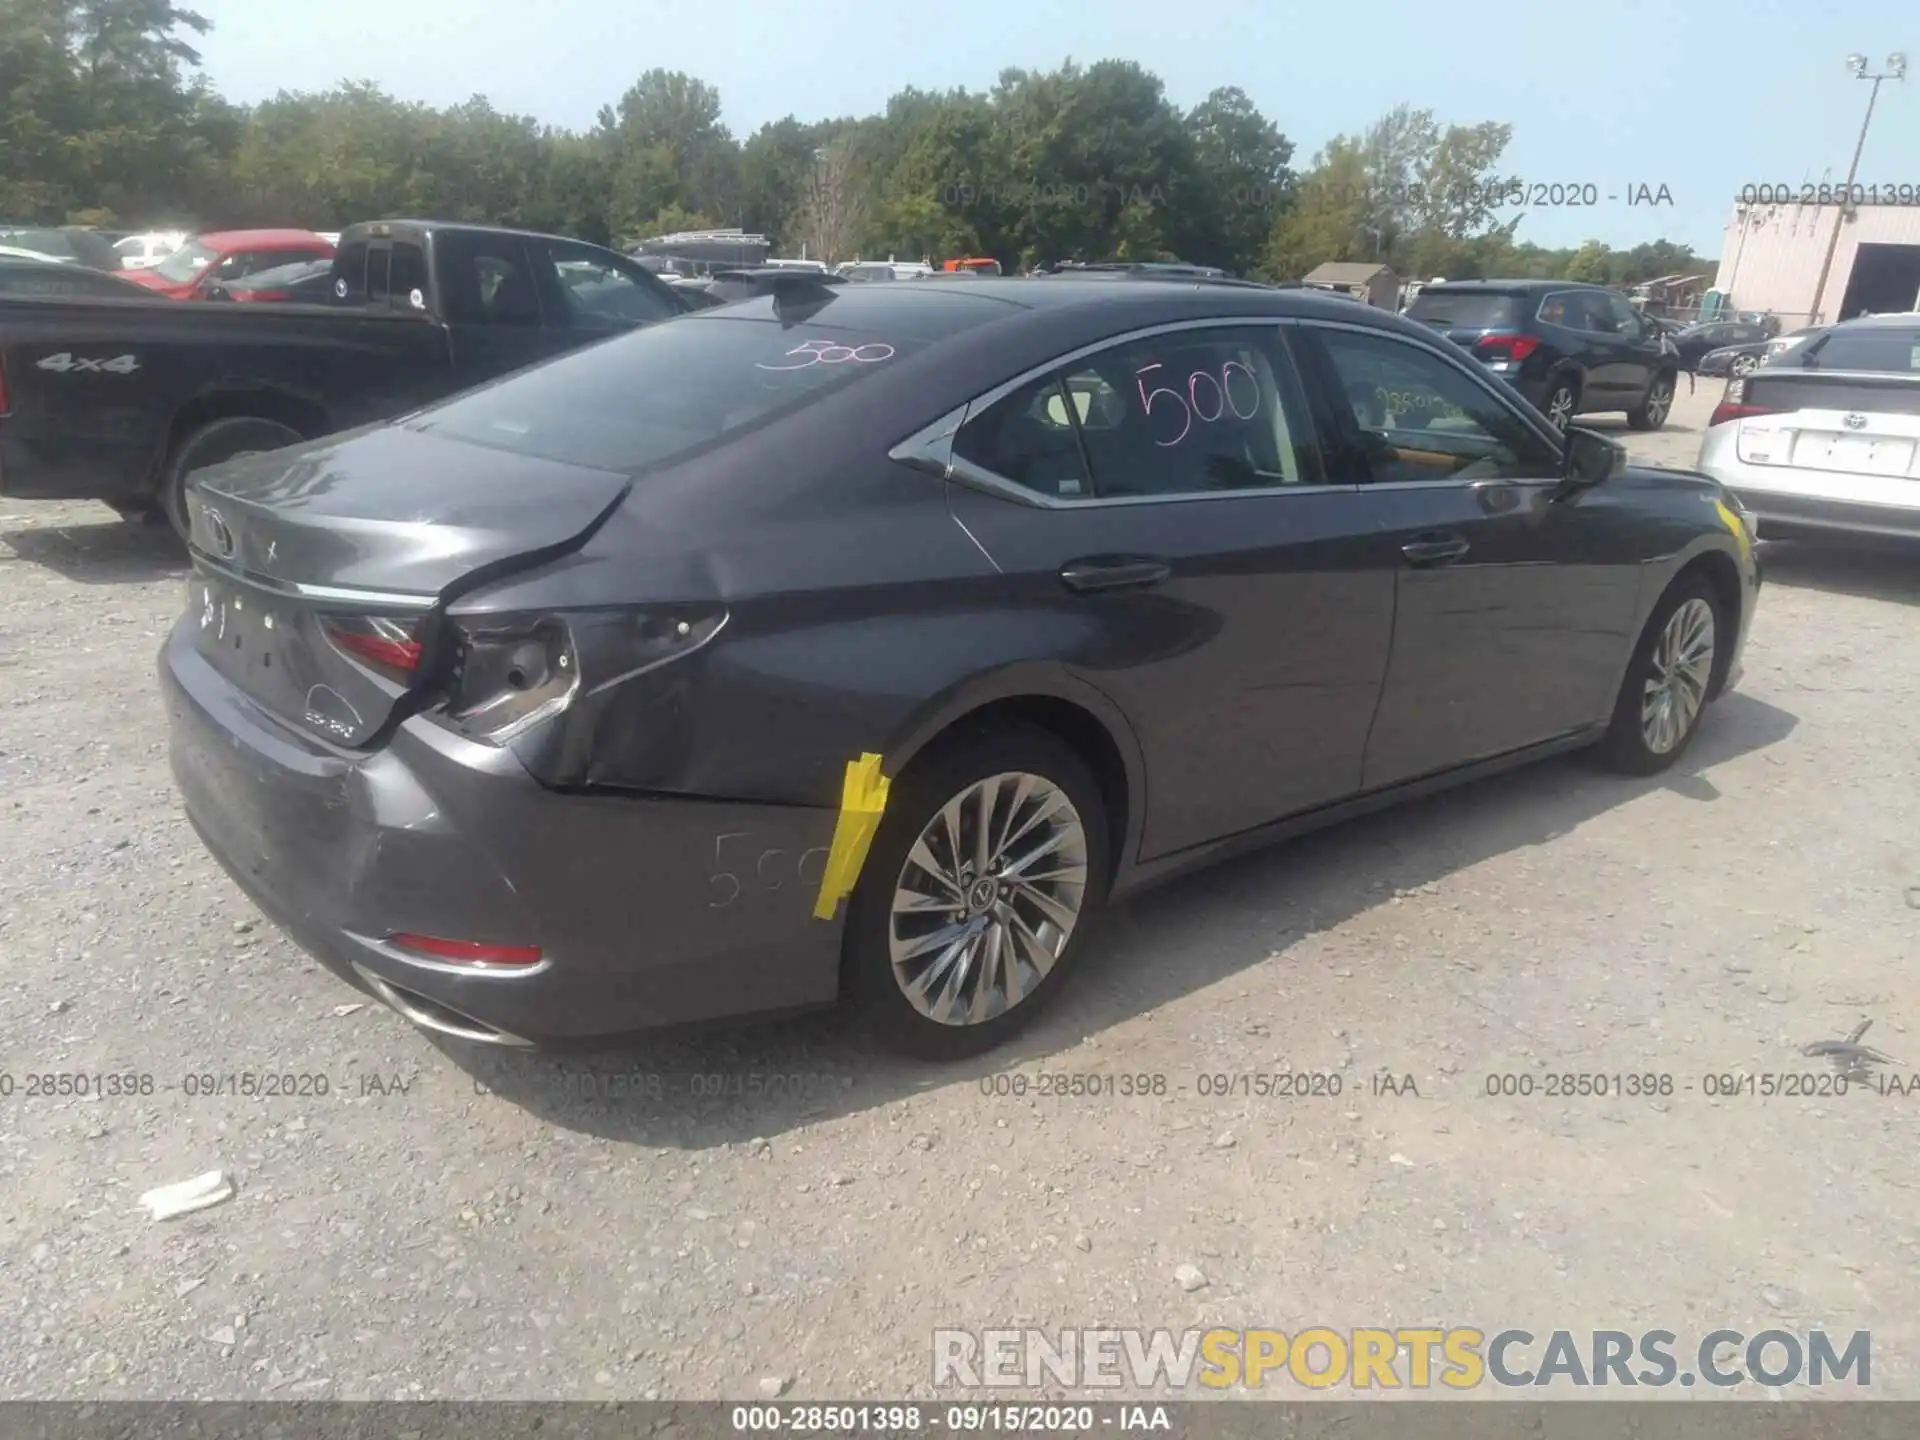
(119, 400)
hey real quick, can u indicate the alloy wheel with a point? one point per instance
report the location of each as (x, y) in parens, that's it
(1745, 365)
(1659, 401)
(1682, 669)
(988, 898)
(1560, 408)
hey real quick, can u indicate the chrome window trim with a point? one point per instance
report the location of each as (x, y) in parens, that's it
(977, 477)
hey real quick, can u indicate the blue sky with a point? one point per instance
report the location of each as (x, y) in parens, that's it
(1701, 96)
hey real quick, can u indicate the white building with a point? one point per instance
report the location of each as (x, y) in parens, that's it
(1770, 260)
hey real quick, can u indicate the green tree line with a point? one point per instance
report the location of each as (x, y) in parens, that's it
(106, 120)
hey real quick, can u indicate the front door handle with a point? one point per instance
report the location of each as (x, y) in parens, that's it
(1113, 572)
(1437, 549)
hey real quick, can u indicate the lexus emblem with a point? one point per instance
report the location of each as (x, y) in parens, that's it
(219, 534)
(1855, 422)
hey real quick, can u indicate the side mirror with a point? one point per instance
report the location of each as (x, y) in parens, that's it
(1587, 459)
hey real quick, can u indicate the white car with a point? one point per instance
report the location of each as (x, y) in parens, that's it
(1825, 436)
(137, 252)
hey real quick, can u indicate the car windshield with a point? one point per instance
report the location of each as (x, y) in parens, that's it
(1893, 349)
(1465, 309)
(661, 393)
(186, 263)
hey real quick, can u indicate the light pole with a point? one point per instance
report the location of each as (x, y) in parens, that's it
(1896, 70)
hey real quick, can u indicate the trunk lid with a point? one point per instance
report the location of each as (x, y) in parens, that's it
(321, 570)
(1859, 423)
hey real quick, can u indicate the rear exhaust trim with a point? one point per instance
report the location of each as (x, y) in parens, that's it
(432, 1015)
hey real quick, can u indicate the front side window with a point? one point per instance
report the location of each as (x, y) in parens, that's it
(1190, 412)
(488, 279)
(1625, 318)
(1421, 418)
(600, 294)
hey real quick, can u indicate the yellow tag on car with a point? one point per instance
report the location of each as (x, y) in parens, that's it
(863, 797)
(1734, 523)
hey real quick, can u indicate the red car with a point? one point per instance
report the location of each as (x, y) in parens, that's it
(206, 260)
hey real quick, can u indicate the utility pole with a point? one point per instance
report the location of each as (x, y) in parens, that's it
(1896, 70)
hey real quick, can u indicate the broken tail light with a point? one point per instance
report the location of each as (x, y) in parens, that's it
(507, 673)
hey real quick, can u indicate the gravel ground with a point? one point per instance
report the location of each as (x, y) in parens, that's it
(452, 1223)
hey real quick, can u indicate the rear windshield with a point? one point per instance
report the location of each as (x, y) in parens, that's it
(661, 393)
(1465, 309)
(1893, 349)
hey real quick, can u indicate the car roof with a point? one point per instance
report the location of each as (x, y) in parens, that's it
(1874, 322)
(1506, 287)
(1129, 301)
(270, 239)
(377, 228)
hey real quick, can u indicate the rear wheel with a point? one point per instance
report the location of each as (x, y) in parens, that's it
(1651, 413)
(1562, 402)
(217, 440)
(989, 866)
(1658, 710)
(1744, 364)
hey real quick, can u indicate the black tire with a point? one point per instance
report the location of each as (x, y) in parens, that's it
(1651, 413)
(1625, 747)
(1563, 396)
(213, 442)
(916, 797)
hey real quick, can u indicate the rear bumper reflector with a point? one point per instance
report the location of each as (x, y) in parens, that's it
(467, 952)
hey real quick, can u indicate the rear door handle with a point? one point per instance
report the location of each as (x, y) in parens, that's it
(1113, 572)
(1434, 549)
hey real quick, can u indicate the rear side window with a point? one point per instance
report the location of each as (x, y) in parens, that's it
(350, 272)
(599, 293)
(1894, 350)
(1029, 437)
(395, 272)
(1465, 309)
(666, 391)
(1191, 412)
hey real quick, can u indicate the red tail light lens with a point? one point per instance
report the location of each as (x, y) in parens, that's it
(466, 952)
(1725, 411)
(1506, 347)
(385, 644)
(1735, 406)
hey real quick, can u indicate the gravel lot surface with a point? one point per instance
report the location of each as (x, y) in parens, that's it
(454, 1223)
